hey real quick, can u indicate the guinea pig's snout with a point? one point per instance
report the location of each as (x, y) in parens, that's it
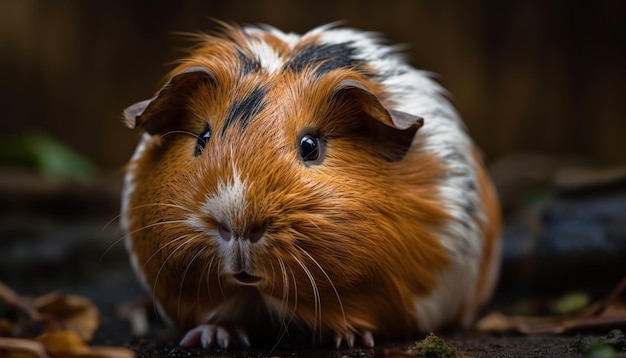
(252, 233)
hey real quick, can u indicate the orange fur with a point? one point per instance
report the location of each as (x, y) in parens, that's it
(350, 243)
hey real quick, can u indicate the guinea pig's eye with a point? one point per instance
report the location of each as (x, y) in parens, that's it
(310, 148)
(203, 138)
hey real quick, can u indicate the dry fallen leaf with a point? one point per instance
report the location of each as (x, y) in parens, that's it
(68, 344)
(77, 313)
(613, 316)
(57, 344)
(69, 322)
(12, 299)
(6, 327)
(606, 313)
(21, 348)
(63, 343)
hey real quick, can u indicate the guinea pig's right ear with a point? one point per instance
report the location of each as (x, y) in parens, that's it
(391, 131)
(161, 113)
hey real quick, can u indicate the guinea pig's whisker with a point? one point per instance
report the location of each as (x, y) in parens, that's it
(143, 267)
(150, 226)
(116, 217)
(285, 322)
(343, 313)
(317, 301)
(315, 225)
(282, 312)
(208, 277)
(122, 238)
(206, 270)
(170, 255)
(158, 223)
(110, 247)
(273, 276)
(274, 315)
(182, 282)
(180, 132)
(175, 206)
(219, 277)
(171, 242)
(295, 299)
(285, 299)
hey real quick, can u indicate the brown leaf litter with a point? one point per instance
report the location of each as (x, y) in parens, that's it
(52, 326)
(608, 312)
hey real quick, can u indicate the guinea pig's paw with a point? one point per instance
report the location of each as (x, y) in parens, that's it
(366, 339)
(207, 335)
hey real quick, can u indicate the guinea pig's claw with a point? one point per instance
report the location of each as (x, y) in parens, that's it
(222, 337)
(338, 340)
(366, 339)
(207, 335)
(244, 340)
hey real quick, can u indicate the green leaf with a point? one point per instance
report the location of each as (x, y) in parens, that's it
(51, 158)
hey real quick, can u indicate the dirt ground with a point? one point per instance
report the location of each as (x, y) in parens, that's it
(163, 344)
(483, 346)
(471, 344)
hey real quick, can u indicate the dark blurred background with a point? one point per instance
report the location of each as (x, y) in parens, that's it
(527, 76)
(540, 84)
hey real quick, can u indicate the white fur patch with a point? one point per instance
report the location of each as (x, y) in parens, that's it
(455, 288)
(267, 57)
(228, 204)
(125, 215)
(126, 222)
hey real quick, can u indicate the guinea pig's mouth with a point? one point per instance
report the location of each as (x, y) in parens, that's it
(246, 278)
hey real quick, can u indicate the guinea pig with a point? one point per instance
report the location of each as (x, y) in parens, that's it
(311, 181)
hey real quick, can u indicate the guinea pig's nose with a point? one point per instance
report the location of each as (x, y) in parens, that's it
(225, 231)
(253, 233)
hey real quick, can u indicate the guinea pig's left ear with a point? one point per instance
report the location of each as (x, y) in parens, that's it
(158, 114)
(390, 130)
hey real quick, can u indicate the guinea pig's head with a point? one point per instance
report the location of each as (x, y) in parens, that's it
(283, 179)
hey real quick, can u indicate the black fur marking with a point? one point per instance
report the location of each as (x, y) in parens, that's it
(324, 57)
(244, 109)
(247, 64)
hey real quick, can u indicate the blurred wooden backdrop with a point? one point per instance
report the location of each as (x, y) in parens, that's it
(527, 76)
